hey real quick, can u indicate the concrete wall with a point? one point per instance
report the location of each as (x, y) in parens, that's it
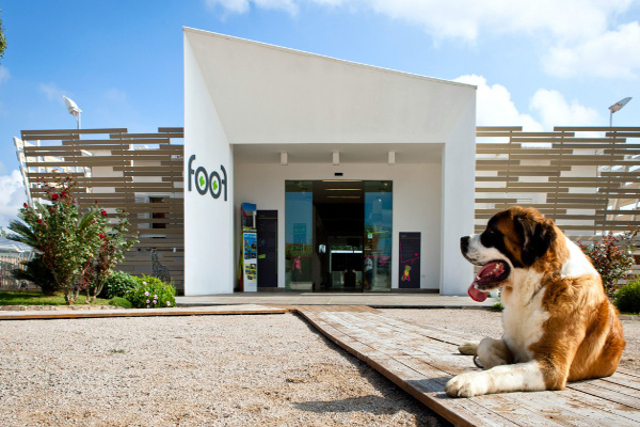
(416, 203)
(208, 229)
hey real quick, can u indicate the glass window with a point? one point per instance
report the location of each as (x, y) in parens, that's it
(378, 208)
(298, 234)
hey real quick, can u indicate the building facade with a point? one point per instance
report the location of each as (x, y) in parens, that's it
(367, 174)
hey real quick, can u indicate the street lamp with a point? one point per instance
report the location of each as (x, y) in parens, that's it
(73, 108)
(617, 107)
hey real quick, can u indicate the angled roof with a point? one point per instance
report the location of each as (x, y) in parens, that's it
(268, 94)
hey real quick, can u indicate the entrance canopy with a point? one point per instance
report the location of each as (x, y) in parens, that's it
(248, 102)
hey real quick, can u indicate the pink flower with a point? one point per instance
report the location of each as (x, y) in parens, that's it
(146, 293)
(168, 303)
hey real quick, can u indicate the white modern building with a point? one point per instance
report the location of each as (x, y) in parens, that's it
(365, 175)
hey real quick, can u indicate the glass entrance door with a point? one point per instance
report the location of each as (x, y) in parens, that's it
(338, 235)
(378, 210)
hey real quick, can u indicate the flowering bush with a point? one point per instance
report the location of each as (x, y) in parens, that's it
(628, 297)
(63, 236)
(610, 260)
(113, 243)
(151, 293)
(79, 249)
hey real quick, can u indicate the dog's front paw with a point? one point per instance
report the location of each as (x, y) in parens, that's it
(469, 348)
(467, 385)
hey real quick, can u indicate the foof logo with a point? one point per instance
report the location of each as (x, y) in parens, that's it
(208, 182)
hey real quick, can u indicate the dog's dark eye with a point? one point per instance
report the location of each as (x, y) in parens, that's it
(489, 238)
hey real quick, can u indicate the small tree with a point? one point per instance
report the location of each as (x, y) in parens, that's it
(114, 242)
(610, 260)
(3, 40)
(65, 239)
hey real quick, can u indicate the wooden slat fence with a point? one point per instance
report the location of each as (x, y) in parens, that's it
(138, 172)
(586, 178)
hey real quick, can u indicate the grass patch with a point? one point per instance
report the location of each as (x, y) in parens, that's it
(37, 298)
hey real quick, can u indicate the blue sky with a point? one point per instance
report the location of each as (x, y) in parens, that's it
(536, 64)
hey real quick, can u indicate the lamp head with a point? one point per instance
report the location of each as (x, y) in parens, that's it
(71, 106)
(618, 105)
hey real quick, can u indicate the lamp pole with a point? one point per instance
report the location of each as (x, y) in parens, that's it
(73, 108)
(617, 107)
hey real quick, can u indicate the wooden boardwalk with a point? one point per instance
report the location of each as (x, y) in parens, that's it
(421, 359)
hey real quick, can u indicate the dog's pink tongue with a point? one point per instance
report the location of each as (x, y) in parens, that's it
(476, 294)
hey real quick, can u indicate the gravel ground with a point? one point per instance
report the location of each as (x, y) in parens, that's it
(268, 370)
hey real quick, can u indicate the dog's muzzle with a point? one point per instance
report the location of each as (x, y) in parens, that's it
(464, 244)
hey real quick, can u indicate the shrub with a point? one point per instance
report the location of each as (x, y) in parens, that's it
(78, 248)
(118, 284)
(36, 272)
(64, 237)
(611, 261)
(120, 302)
(628, 297)
(151, 292)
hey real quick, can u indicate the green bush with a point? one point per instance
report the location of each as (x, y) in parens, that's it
(118, 284)
(151, 292)
(120, 302)
(628, 298)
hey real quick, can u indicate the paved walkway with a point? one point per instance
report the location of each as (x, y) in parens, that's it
(377, 300)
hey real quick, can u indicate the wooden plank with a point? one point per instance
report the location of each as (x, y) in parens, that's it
(405, 352)
(499, 128)
(159, 312)
(596, 129)
(454, 410)
(74, 131)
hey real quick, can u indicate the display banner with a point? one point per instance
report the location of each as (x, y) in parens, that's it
(409, 260)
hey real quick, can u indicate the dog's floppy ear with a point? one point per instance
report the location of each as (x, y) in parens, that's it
(537, 237)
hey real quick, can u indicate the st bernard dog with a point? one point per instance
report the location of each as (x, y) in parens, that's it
(558, 323)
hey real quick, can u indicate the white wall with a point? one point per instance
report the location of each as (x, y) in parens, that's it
(416, 203)
(208, 222)
(458, 189)
(239, 92)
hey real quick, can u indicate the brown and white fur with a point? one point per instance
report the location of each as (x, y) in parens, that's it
(558, 323)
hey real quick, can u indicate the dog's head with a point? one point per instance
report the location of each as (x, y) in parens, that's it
(515, 238)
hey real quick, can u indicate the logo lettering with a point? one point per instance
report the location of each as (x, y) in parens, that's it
(205, 182)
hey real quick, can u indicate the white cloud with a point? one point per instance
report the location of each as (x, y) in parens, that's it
(554, 110)
(4, 74)
(116, 95)
(243, 6)
(575, 36)
(52, 91)
(13, 196)
(547, 108)
(568, 19)
(613, 54)
(495, 108)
